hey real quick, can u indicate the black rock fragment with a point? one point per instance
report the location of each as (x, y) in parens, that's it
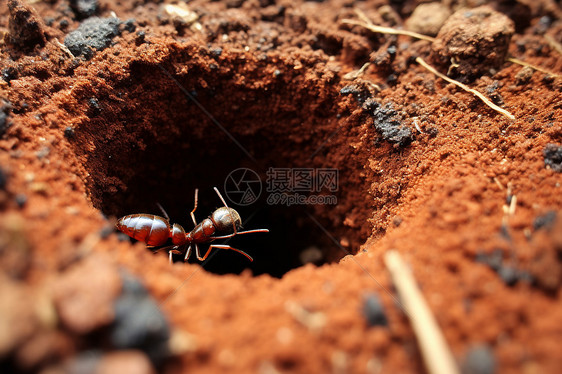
(545, 221)
(388, 122)
(20, 199)
(553, 157)
(493, 259)
(130, 25)
(508, 274)
(3, 179)
(69, 132)
(5, 109)
(373, 310)
(359, 91)
(93, 34)
(139, 322)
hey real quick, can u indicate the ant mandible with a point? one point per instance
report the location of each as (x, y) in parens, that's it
(155, 230)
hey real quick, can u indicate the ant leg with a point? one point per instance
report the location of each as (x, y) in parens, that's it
(187, 253)
(173, 250)
(220, 246)
(194, 208)
(163, 211)
(230, 214)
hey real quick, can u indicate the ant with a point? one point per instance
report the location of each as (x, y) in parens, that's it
(155, 230)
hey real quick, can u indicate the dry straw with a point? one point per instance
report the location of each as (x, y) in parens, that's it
(435, 351)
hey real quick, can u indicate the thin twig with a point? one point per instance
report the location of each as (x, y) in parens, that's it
(352, 75)
(362, 16)
(435, 351)
(554, 44)
(63, 47)
(486, 101)
(387, 30)
(523, 63)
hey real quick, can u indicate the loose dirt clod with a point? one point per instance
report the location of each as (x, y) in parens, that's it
(428, 18)
(14, 245)
(26, 27)
(84, 295)
(129, 361)
(474, 41)
(18, 320)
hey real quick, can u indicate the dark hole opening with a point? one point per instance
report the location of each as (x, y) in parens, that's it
(157, 146)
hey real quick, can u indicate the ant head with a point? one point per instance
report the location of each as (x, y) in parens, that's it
(225, 218)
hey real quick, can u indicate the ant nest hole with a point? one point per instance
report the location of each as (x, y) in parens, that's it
(248, 127)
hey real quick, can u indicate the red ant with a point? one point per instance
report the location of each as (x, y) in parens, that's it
(155, 230)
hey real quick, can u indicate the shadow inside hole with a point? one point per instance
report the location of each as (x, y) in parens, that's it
(274, 253)
(294, 239)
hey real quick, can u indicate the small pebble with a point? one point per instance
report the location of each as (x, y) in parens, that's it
(373, 310)
(479, 360)
(130, 25)
(106, 231)
(493, 259)
(20, 199)
(553, 157)
(545, 221)
(523, 76)
(428, 18)
(508, 275)
(140, 37)
(69, 132)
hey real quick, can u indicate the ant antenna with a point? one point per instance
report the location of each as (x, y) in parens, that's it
(230, 214)
(163, 210)
(194, 207)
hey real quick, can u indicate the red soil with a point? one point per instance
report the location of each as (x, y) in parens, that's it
(134, 138)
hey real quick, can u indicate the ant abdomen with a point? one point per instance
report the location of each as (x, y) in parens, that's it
(148, 228)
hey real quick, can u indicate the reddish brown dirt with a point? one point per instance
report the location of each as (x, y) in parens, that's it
(93, 139)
